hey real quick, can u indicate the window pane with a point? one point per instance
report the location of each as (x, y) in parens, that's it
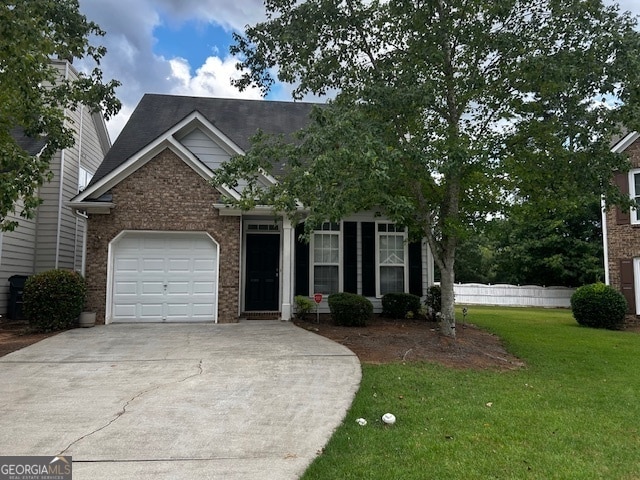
(392, 249)
(326, 248)
(391, 280)
(325, 279)
(317, 248)
(399, 248)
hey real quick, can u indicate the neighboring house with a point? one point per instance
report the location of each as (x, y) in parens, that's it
(621, 232)
(55, 237)
(164, 246)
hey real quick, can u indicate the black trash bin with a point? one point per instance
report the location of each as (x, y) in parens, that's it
(16, 287)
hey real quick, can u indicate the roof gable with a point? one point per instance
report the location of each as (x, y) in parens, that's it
(235, 120)
(169, 140)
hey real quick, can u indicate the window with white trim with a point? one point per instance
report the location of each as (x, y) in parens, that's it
(634, 192)
(392, 255)
(325, 273)
(84, 177)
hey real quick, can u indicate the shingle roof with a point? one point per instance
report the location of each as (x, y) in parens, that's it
(33, 146)
(237, 119)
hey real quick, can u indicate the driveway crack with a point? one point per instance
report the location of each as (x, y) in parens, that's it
(128, 402)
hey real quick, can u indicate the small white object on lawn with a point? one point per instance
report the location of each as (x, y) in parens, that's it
(361, 421)
(389, 418)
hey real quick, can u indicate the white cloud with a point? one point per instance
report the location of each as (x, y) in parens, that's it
(234, 14)
(212, 79)
(130, 44)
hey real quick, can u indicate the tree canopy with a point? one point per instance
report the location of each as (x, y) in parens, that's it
(445, 111)
(33, 97)
(559, 247)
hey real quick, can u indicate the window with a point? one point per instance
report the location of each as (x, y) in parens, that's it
(392, 252)
(84, 177)
(326, 259)
(634, 191)
(263, 227)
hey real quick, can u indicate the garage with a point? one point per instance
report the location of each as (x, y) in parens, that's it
(164, 277)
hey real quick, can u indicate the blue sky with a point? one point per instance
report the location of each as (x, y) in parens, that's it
(181, 47)
(193, 40)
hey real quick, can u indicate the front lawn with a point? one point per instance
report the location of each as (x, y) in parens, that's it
(572, 413)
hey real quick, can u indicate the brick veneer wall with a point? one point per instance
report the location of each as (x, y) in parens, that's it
(623, 241)
(165, 195)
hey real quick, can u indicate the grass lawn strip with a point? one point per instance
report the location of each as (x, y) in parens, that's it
(572, 413)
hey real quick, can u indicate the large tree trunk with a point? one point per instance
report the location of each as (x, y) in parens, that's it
(448, 319)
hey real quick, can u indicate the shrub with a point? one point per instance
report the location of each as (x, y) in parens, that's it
(54, 299)
(304, 306)
(349, 309)
(398, 305)
(434, 301)
(599, 306)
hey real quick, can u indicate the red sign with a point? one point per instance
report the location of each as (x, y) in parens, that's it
(317, 297)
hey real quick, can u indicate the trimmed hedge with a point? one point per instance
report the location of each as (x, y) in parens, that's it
(398, 305)
(599, 306)
(54, 299)
(349, 309)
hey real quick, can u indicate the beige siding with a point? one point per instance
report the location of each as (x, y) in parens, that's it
(209, 152)
(17, 250)
(56, 238)
(60, 233)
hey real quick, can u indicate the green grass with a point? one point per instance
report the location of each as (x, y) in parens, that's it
(572, 413)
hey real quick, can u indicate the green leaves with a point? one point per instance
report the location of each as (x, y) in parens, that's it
(447, 111)
(34, 95)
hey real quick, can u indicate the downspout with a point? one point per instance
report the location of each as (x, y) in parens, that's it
(240, 269)
(605, 241)
(84, 234)
(60, 191)
(58, 226)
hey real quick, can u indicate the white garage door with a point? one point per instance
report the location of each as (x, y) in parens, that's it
(164, 277)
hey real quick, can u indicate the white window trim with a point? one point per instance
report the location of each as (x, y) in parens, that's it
(84, 178)
(312, 263)
(636, 282)
(378, 264)
(633, 194)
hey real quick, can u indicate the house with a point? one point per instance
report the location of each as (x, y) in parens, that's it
(163, 245)
(621, 232)
(55, 238)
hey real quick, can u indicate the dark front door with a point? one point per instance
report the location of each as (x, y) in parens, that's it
(263, 260)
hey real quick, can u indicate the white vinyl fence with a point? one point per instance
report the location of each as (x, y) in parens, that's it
(513, 295)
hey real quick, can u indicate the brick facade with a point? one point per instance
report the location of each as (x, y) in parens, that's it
(623, 240)
(165, 195)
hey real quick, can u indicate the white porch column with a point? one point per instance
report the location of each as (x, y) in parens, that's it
(287, 269)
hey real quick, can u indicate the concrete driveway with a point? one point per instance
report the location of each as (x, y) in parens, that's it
(253, 400)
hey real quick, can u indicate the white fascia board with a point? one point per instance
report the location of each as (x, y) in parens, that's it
(230, 210)
(127, 168)
(269, 178)
(258, 210)
(143, 157)
(168, 139)
(91, 207)
(625, 142)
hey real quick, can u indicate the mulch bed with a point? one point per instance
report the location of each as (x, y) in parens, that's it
(385, 340)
